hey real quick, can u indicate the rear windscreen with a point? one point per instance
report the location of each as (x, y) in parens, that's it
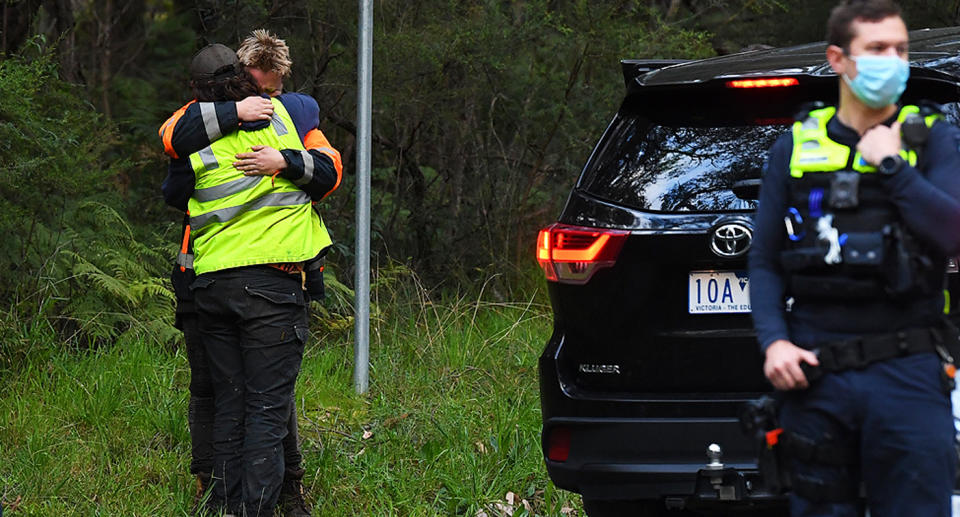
(665, 168)
(648, 163)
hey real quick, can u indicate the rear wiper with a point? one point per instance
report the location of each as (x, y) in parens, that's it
(747, 189)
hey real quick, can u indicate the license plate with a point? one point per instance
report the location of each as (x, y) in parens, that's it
(718, 292)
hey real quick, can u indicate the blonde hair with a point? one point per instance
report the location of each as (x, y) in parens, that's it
(266, 52)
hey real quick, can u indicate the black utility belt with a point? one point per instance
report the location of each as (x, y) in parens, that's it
(860, 352)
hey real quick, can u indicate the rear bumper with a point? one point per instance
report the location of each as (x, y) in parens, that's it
(631, 448)
(630, 459)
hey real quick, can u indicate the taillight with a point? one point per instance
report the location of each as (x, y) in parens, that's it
(773, 82)
(558, 444)
(572, 254)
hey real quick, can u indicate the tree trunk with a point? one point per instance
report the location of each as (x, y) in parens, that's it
(62, 11)
(673, 9)
(106, 26)
(3, 48)
(18, 18)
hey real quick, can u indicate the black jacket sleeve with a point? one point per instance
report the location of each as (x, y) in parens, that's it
(201, 124)
(929, 201)
(311, 170)
(179, 184)
(318, 169)
(767, 288)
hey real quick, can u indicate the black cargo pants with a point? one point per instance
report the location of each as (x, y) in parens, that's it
(253, 323)
(201, 408)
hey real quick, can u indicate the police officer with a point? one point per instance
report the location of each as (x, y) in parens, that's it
(859, 208)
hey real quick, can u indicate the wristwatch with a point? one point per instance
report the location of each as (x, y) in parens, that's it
(890, 165)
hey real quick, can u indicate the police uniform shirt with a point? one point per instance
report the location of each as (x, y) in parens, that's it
(929, 205)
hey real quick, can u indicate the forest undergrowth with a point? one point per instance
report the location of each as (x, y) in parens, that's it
(449, 426)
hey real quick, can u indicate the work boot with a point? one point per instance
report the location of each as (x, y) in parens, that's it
(291, 502)
(199, 499)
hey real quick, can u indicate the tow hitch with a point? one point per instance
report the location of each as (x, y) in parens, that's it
(717, 482)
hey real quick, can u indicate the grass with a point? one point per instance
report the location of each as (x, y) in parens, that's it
(449, 426)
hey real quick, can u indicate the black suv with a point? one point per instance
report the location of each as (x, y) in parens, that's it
(653, 353)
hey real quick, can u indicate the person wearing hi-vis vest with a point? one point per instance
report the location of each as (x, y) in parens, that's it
(859, 209)
(317, 171)
(253, 238)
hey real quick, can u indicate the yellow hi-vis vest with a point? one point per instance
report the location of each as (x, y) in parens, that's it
(814, 151)
(240, 220)
(872, 221)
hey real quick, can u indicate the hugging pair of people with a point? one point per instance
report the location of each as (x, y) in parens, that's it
(247, 165)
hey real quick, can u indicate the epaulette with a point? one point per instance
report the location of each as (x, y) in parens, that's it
(915, 129)
(804, 111)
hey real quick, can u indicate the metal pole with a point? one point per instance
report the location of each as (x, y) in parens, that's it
(361, 353)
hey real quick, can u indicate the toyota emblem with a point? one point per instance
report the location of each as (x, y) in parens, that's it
(731, 240)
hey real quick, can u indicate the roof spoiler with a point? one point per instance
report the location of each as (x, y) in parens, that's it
(633, 68)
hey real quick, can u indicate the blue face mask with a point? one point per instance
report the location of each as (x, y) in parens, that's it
(880, 79)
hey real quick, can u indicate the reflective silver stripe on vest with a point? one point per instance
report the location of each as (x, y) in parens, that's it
(278, 125)
(225, 214)
(185, 260)
(226, 189)
(812, 159)
(208, 158)
(210, 122)
(307, 168)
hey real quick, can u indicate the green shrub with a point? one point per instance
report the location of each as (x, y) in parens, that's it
(71, 262)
